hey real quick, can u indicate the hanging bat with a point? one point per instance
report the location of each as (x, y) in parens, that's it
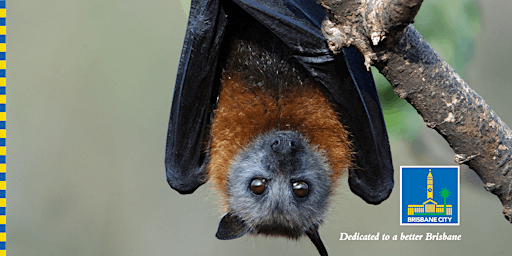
(265, 112)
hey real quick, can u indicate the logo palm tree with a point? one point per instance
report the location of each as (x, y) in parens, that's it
(445, 193)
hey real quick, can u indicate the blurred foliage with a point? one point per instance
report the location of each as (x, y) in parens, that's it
(449, 27)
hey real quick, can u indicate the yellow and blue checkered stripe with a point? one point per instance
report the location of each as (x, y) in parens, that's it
(2, 129)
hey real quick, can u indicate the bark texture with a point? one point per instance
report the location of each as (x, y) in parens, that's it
(381, 30)
(359, 22)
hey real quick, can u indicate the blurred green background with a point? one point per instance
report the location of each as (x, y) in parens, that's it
(90, 85)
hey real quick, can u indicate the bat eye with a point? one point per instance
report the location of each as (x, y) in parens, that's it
(258, 186)
(300, 189)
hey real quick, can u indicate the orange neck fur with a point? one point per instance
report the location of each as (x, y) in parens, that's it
(245, 112)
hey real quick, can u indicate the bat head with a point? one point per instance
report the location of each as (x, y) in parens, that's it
(279, 185)
(275, 159)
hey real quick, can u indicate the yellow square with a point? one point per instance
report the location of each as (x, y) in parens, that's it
(2, 81)
(3, 219)
(2, 13)
(2, 116)
(2, 99)
(2, 237)
(2, 133)
(3, 47)
(2, 168)
(430, 208)
(2, 151)
(3, 202)
(3, 253)
(2, 185)
(2, 30)
(2, 64)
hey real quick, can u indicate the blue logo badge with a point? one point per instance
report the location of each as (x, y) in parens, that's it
(429, 195)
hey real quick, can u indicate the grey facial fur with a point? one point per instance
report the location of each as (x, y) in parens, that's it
(280, 158)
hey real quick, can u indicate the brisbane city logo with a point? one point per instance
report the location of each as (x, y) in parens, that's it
(430, 196)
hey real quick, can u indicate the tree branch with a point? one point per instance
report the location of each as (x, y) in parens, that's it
(381, 30)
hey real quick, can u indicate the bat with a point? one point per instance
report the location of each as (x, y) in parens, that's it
(264, 111)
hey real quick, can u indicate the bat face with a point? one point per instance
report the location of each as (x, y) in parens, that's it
(277, 148)
(279, 185)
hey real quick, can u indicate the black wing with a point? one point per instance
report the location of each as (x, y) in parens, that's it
(297, 23)
(193, 93)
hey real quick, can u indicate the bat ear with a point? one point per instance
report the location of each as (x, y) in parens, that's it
(315, 238)
(231, 227)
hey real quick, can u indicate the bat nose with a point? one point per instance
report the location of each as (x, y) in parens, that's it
(283, 144)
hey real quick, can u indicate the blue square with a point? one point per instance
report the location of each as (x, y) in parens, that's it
(429, 195)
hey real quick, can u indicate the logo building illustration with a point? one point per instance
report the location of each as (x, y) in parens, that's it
(429, 195)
